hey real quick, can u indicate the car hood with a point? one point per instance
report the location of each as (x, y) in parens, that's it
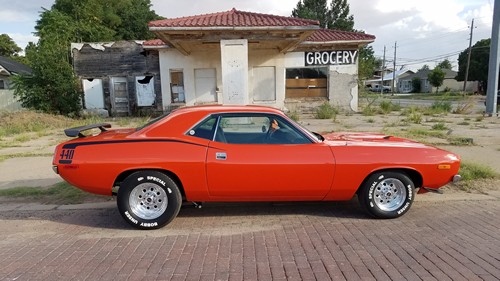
(370, 139)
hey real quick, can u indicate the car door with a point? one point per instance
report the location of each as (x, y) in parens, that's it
(245, 163)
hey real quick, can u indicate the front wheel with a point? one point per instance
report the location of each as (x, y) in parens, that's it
(148, 199)
(387, 194)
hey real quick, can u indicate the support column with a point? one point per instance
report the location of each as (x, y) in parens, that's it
(234, 61)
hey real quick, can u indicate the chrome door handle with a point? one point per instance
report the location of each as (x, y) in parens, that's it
(220, 156)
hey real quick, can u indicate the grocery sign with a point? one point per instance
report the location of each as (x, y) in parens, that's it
(331, 57)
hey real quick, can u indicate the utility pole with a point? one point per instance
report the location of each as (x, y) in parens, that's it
(468, 56)
(394, 69)
(382, 74)
(493, 69)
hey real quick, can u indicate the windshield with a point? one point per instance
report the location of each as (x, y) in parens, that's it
(152, 121)
(313, 135)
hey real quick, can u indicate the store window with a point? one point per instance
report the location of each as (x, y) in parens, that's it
(306, 82)
(177, 86)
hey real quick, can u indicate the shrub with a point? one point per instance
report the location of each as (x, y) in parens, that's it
(415, 117)
(441, 107)
(439, 126)
(326, 111)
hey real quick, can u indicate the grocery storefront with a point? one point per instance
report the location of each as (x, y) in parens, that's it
(238, 57)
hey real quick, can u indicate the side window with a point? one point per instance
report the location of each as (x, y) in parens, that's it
(258, 129)
(205, 129)
(282, 132)
(243, 129)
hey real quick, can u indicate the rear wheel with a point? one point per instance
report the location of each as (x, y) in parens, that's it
(387, 194)
(148, 199)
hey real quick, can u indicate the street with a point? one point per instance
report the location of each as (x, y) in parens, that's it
(436, 240)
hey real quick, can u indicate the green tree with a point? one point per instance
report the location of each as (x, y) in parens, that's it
(424, 67)
(334, 17)
(367, 62)
(416, 85)
(337, 17)
(8, 47)
(313, 9)
(53, 86)
(436, 77)
(446, 64)
(479, 60)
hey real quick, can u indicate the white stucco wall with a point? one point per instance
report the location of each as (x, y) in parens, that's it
(342, 80)
(171, 59)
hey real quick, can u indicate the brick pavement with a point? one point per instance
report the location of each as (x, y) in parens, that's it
(448, 240)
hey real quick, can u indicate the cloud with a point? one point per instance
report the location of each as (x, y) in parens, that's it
(22, 40)
(13, 16)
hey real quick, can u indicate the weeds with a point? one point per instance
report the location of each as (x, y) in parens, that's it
(326, 111)
(61, 193)
(440, 107)
(294, 115)
(474, 171)
(439, 127)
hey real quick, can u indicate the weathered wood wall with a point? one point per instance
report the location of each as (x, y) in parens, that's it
(119, 59)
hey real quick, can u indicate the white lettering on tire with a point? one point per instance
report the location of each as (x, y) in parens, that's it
(155, 179)
(131, 218)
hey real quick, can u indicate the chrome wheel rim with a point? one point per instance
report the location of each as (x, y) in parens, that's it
(390, 194)
(148, 201)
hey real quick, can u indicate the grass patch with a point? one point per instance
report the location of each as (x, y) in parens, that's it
(472, 172)
(441, 106)
(25, 154)
(439, 126)
(386, 106)
(60, 193)
(326, 111)
(30, 121)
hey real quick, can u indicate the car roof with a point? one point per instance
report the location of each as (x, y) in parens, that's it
(217, 108)
(181, 119)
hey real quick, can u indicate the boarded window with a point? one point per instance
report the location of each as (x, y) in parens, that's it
(93, 93)
(145, 90)
(264, 83)
(177, 86)
(205, 83)
(306, 82)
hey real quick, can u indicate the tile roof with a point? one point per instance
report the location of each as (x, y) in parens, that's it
(321, 35)
(233, 18)
(154, 43)
(330, 35)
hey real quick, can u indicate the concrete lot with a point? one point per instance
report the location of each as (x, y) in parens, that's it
(436, 240)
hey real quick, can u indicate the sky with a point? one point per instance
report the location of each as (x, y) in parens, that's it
(425, 31)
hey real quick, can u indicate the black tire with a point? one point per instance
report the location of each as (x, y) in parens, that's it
(387, 195)
(148, 199)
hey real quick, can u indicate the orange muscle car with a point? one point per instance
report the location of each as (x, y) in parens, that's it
(246, 153)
